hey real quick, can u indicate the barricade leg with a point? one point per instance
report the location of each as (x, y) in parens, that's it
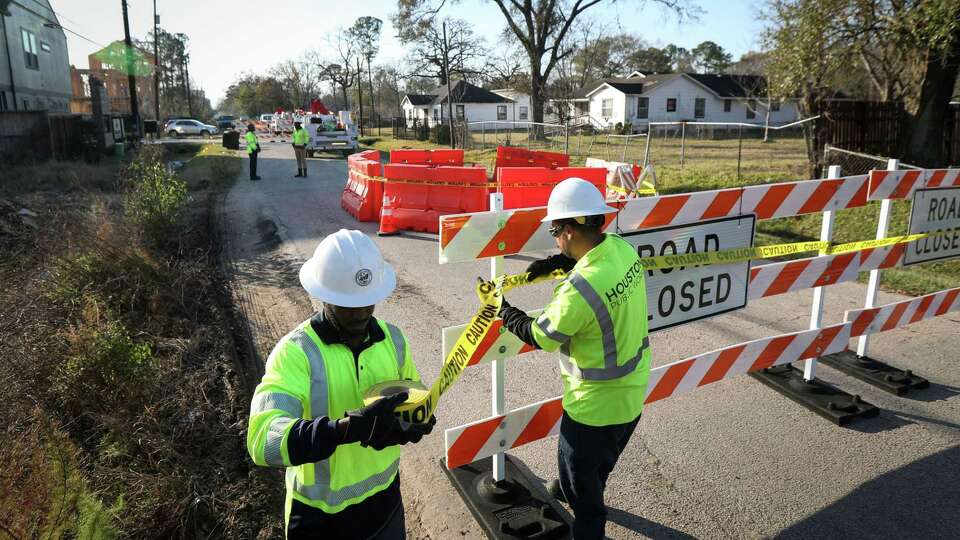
(859, 365)
(802, 386)
(502, 493)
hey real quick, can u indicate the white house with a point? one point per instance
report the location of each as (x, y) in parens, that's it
(676, 97)
(470, 103)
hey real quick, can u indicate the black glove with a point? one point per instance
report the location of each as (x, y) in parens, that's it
(373, 421)
(545, 266)
(403, 433)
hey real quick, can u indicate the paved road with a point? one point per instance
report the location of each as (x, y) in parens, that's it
(730, 460)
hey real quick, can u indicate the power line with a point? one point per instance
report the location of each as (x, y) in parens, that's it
(44, 17)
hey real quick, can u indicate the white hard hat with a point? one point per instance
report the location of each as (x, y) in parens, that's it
(348, 270)
(575, 197)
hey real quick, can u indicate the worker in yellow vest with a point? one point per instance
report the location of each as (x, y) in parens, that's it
(300, 139)
(253, 149)
(308, 413)
(597, 320)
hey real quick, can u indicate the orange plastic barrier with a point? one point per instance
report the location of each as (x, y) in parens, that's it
(362, 197)
(409, 205)
(508, 156)
(527, 187)
(427, 157)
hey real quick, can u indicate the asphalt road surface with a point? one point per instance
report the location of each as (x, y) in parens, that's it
(732, 459)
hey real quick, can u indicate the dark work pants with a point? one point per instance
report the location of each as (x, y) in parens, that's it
(253, 164)
(585, 456)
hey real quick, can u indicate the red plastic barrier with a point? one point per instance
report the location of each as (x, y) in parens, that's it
(508, 156)
(418, 207)
(362, 198)
(540, 183)
(427, 157)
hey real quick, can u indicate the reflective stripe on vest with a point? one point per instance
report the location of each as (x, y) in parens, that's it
(276, 401)
(546, 326)
(610, 369)
(601, 374)
(322, 491)
(271, 447)
(400, 345)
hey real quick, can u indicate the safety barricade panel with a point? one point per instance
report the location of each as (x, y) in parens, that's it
(900, 314)
(362, 197)
(465, 237)
(477, 440)
(525, 187)
(416, 196)
(447, 157)
(521, 157)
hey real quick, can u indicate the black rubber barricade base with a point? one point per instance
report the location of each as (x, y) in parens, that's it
(517, 508)
(824, 399)
(883, 376)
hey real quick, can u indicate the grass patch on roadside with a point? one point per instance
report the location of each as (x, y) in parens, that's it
(211, 166)
(712, 164)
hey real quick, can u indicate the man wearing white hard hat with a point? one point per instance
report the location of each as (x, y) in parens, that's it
(308, 412)
(597, 320)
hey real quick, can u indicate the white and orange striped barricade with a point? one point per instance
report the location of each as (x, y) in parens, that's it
(886, 186)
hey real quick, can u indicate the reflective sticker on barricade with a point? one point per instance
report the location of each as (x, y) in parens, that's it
(465, 237)
(497, 344)
(484, 438)
(783, 277)
(898, 314)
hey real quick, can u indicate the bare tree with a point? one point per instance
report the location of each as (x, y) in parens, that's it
(464, 49)
(339, 69)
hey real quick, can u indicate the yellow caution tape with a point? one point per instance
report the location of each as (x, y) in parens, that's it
(420, 403)
(625, 191)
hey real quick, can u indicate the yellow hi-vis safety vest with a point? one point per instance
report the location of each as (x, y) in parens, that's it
(251, 138)
(301, 137)
(597, 319)
(306, 378)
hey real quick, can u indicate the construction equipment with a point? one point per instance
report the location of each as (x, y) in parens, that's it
(330, 133)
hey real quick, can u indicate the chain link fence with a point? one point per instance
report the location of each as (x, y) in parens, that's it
(853, 163)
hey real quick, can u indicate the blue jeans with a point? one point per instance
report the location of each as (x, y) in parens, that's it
(586, 456)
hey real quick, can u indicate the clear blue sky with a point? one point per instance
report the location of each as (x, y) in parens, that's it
(232, 36)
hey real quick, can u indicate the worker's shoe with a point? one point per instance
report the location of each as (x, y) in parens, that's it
(255, 178)
(553, 488)
(299, 174)
(304, 174)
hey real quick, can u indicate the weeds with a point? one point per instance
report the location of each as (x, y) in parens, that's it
(155, 199)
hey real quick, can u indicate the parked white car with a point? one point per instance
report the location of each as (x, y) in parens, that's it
(183, 128)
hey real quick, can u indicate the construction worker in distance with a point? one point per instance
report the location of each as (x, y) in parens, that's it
(253, 148)
(308, 412)
(300, 139)
(597, 319)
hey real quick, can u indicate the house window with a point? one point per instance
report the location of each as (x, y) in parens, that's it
(671, 104)
(45, 47)
(774, 105)
(643, 107)
(460, 112)
(751, 108)
(699, 107)
(436, 114)
(523, 112)
(29, 49)
(501, 112)
(727, 105)
(606, 108)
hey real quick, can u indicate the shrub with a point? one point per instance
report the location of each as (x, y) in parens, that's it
(155, 198)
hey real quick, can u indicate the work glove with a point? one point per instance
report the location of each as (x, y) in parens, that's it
(544, 267)
(403, 433)
(372, 422)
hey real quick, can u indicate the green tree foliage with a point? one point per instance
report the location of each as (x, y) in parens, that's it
(252, 95)
(710, 58)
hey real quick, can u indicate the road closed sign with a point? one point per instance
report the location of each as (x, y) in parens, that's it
(934, 210)
(688, 293)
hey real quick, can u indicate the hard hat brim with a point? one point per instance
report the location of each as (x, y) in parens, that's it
(578, 213)
(370, 297)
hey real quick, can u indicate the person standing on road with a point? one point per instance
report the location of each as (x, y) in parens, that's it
(253, 148)
(300, 139)
(597, 319)
(308, 412)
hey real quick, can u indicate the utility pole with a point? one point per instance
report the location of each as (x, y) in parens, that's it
(446, 70)
(131, 79)
(156, 65)
(186, 67)
(360, 93)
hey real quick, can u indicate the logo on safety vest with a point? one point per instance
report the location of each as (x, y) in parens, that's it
(363, 277)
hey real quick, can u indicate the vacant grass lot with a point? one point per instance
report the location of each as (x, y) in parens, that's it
(712, 164)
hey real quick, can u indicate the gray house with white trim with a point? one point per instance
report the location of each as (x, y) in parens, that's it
(34, 64)
(470, 103)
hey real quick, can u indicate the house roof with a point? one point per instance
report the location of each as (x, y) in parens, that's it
(420, 99)
(464, 92)
(628, 85)
(732, 86)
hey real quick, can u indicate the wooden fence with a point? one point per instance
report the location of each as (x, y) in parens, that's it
(36, 135)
